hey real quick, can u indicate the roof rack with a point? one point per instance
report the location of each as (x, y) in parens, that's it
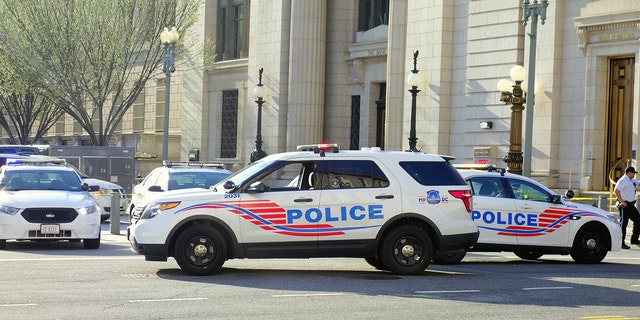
(200, 164)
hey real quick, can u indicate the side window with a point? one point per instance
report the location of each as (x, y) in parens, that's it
(433, 173)
(523, 190)
(346, 174)
(151, 179)
(290, 176)
(488, 187)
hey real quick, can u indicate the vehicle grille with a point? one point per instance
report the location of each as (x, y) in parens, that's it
(49, 215)
(38, 234)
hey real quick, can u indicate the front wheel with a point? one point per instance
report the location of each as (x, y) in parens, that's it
(91, 243)
(406, 250)
(590, 245)
(450, 257)
(200, 250)
(528, 255)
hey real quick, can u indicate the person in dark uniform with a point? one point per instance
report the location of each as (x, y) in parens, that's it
(625, 191)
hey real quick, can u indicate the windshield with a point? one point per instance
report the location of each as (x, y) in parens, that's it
(41, 180)
(244, 174)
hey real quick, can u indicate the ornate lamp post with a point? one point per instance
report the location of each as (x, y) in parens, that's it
(511, 93)
(414, 80)
(531, 9)
(259, 93)
(168, 39)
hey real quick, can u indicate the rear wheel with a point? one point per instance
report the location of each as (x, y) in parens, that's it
(406, 250)
(590, 245)
(528, 255)
(200, 250)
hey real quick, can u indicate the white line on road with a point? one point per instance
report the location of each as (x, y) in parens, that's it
(167, 300)
(306, 295)
(547, 288)
(447, 291)
(74, 258)
(18, 305)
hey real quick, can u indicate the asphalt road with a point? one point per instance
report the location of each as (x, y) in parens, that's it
(65, 281)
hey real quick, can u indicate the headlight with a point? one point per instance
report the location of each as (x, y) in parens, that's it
(155, 208)
(88, 210)
(9, 210)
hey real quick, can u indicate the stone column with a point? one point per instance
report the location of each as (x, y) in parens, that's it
(306, 72)
(396, 76)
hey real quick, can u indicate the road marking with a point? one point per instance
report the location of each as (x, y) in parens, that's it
(72, 258)
(305, 295)
(18, 305)
(547, 288)
(608, 318)
(446, 291)
(167, 300)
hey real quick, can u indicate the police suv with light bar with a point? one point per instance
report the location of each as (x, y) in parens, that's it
(520, 215)
(394, 209)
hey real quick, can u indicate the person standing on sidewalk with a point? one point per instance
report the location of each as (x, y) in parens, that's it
(625, 191)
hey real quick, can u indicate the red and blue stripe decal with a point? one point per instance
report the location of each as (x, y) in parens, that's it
(269, 216)
(549, 221)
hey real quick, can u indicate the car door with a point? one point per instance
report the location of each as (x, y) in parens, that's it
(492, 207)
(280, 208)
(357, 197)
(540, 222)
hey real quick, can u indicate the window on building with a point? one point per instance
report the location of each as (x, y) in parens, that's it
(59, 126)
(229, 132)
(380, 115)
(354, 139)
(138, 114)
(372, 13)
(160, 90)
(232, 29)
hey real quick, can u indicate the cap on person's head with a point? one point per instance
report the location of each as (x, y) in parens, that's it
(631, 169)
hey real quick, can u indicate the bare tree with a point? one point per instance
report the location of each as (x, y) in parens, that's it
(93, 57)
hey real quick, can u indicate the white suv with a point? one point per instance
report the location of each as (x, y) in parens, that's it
(46, 202)
(395, 209)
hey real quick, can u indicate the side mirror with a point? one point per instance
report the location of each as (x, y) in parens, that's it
(569, 194)
(229, 185)
(155, 189)
(257, 187)
(87, 187)
(557, 199)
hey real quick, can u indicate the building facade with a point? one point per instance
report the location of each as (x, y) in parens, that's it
(336, 71)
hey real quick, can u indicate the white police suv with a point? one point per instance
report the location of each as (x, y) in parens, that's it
(46, 201)
(395, 209)
(517, 214)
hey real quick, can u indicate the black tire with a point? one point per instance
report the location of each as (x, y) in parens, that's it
(406, 250)
(91, 243)
(591, 244)
(528, 255)
(375, 262)
(451, 257)
(3, 244)
(200, 250)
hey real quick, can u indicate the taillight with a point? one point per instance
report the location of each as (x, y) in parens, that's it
(464, 195)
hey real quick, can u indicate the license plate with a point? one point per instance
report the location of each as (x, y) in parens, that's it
(50, 228)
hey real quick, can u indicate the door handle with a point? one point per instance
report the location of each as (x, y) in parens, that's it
(303, 200)
(385, 196)
(525, 206)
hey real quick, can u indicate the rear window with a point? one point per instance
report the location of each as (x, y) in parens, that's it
(432, 173)
(346, 174)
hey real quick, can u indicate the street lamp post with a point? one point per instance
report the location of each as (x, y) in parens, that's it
(259, 93)
(414, 80)
(533, 10)
(168, 39)
(512, 93)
